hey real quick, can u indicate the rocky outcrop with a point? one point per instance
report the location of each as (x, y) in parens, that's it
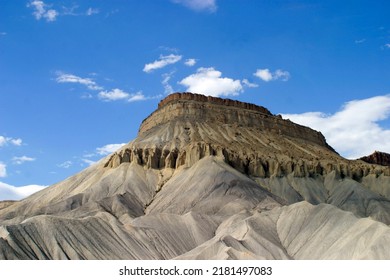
(378, 158)
(212, 100)
(254, 164)
(199, 108)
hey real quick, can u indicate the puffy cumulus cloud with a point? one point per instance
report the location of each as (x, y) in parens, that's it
(22, 159)
(41, 11)
(137, 97)
(266, 75)
(354, 131)
(8, 192)
(162, 62)
(209, 81)
(190, 62)
(118, 94)
(70, 78)
(3, 170)
(109, 149)
(115, 94)
(51, 15)
(198, 5)
(9, 140)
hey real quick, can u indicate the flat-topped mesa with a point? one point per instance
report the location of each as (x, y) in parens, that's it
(197, 108)
(214, 100)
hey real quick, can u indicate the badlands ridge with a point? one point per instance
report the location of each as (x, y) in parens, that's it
(209, 178)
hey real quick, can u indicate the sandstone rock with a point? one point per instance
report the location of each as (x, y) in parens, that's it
(378, 158)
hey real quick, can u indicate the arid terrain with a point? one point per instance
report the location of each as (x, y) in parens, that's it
(209, 178)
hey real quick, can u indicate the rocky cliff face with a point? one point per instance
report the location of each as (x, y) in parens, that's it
(187, 127)
(378, 158)
(209, 178)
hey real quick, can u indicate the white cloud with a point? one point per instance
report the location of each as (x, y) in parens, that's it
(354, 131)
(8, 192)
(190, 62)
(109, 149)
(198, 5)
(360, 41)
(40, 11)
(387, 46)
(70, 78)
(118, 94)
(3, 33)
(16, 142)
(165, 82)
(50, 15)
(22, 159)
(137, 97)
(9, 140)
(92, 11)
(3, 170)
(246, 83)
(263, 74)
(115, 94)
(88, 161)
(65, 164)
(162, 62)
(209, 81)
(267, 76)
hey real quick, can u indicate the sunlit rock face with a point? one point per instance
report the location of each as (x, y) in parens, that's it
(209, 178)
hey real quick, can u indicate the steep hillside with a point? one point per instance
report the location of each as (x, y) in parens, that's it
(209, 178)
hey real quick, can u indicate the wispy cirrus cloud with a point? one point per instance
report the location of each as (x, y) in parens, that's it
(246, 83)
(92, 11)
(9, 140)
(71, 78)
(209, 81)
(22, 159)
(198, 5)
(65, 164)
(162, 62)
(266, 75)
(355, 130)
(41, 10)
(3, 170)
(165, 82)
(360, 41)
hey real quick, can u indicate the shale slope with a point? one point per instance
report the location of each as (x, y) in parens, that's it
(209, 178)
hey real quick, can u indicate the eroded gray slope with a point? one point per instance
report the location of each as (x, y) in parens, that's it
(163, 233)
(298, 231)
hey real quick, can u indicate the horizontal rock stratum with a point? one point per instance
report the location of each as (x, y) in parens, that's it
(209, 178)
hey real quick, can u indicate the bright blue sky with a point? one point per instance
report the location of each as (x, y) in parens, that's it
(78, 77)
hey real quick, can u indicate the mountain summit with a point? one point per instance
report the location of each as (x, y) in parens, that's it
(209, 178)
